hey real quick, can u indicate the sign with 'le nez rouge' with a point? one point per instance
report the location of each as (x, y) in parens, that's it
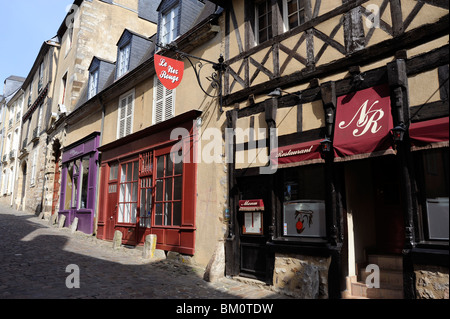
(169, 71)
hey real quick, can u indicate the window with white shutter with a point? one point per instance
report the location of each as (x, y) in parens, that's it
(126, 111)
(163, 102)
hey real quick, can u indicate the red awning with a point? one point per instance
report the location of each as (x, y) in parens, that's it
(363, 124)
(297, 154)
(251, 205)
(429, 134)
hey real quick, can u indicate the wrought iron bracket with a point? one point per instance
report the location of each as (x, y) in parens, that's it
(215, 78)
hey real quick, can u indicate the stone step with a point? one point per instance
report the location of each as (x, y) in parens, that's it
(391, 262)
(360, 289)
(391, 278)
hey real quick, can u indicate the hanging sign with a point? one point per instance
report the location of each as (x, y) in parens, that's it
(169, 71)
(363, 124)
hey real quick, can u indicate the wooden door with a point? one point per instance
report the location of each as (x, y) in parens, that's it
(56, 187)
(111, 211)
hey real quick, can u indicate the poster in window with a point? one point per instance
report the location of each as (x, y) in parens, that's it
(304, 218)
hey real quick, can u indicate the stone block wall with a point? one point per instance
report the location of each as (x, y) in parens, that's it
(432, 282)
(301, 276)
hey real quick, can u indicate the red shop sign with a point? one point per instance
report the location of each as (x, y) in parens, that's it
(251, 205)
(363, 123)
(170, 72)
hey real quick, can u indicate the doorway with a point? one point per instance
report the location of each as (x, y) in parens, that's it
(57, 176)
(374, 214)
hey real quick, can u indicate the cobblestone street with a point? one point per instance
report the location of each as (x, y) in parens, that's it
(34, 258)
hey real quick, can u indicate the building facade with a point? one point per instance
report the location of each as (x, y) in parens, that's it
(334, 96)
(306, 140)
(142, 188)
(10, 125)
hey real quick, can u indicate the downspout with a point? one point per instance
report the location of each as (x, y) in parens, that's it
(97, 184)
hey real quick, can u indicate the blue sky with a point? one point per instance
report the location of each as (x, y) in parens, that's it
(24, 26)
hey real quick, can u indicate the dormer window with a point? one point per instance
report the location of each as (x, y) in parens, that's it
(169, 25)
(124, 59)
(131, 48)
(93, 83)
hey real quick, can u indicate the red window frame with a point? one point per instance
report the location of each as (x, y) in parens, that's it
(171, 199)
(128, 184)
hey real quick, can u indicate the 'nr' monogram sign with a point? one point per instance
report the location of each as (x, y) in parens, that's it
(363, 122)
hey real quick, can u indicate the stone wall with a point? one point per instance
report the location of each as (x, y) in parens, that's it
(300, 276)
(432, 282)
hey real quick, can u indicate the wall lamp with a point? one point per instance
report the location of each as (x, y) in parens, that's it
(398, 132)
(326, 145)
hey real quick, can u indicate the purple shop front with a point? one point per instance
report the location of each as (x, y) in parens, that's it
(78, 182)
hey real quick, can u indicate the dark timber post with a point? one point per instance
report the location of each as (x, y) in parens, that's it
(329, 100)
(398, 82)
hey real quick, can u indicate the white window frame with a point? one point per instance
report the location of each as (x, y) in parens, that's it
(286, 14)
(169, 29)
(125, 97)
(157, 85)
(257, 40)
(93, 83)
(123, 64)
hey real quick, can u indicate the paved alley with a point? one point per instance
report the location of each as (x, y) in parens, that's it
(36, 260)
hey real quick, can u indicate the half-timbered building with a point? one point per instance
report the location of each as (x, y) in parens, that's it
(344, 164)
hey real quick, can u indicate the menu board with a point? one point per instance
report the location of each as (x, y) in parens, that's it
(253, 224)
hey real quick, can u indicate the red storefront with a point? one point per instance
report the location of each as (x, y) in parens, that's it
(146, 189)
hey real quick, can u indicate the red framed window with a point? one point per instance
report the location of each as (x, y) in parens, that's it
(168, 190)
(128, 193)
(146, 188)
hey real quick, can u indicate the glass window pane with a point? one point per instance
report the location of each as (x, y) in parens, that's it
(123, 173)
(160, 167)
(159, 189)
(135, 171)
(168, 189)
(127, 213)
(168, 214)
(135, 192)
(128, 192)
(149, 202)
(179, 166)
(169, 165)
(129, 171)
(121, 213)
(69, 184)
(292, 6)
(122, 193)
(133, 213)
(84, 183)
(293, 21)
(178, 188)
(177, 214)
(158, 214)
(114, 169)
